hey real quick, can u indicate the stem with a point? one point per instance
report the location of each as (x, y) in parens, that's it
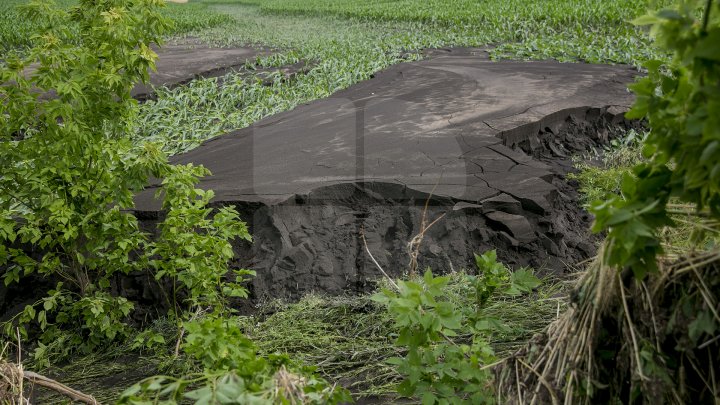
(706, 15)
(367, 249)
(632, 330)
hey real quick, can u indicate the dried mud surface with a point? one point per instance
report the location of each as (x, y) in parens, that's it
(180, 63)
(484, 144)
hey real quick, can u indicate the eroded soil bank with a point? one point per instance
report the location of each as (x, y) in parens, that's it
(484, 144)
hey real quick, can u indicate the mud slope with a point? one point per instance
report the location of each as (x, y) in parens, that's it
(309, 181)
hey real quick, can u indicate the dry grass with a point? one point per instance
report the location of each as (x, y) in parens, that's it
(11, 382)
(13, 390)
(622, 337)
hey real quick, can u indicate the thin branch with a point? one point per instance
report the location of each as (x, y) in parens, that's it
(178, 342)
(60, 388)
(706, 15)
(709, 342)
(367, 249)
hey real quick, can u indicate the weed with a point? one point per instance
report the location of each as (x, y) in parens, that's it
(600, 176)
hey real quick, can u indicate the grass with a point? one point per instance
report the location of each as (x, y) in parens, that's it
(600, 177)
(348, 339)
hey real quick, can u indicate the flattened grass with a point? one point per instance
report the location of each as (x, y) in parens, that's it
(348, 339)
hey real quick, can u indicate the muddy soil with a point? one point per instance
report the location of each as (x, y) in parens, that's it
(183, 61)
(485, 145)
(180, 63)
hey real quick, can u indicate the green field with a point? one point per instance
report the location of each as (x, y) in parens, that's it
(345, 43)
(16, 30)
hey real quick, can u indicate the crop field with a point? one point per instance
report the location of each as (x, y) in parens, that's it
(16, 30)
(565, 231)
(344, 43)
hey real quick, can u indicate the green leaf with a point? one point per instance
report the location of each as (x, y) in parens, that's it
(647, 19)
(703, 325)
(428, 398)
(522, 281)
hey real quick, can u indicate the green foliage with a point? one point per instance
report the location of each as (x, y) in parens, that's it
(16, 31)
(193, 16)
(565, 30)
(219, 344)
(69, 170)
(70, 174)
(448, 349)
(601, 179)
(70, 180)
(228, 388)
(232, 373)
(682, 104)
(71, 323)
(198, 260)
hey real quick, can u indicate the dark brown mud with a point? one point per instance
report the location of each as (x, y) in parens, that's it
(484, 144)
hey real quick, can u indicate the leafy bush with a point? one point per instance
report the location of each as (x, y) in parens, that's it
(449, 354)
(70, 174)
(70, 180)
(682, 104)
(197, 260)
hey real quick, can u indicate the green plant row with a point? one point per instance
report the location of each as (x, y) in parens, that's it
(566, 29)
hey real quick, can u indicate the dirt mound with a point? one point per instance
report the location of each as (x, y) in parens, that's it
(456, 126)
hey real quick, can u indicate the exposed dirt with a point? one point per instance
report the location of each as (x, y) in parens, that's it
(180, 63)
(489, 140)
(183, 61)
